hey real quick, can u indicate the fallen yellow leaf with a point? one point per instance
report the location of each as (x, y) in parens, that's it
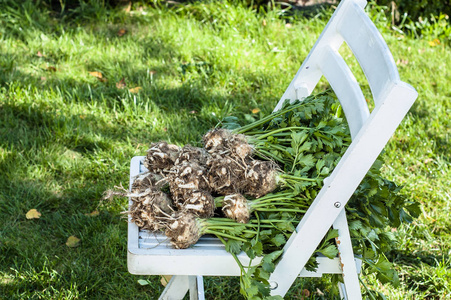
(121, 84)
(434, 42)
(165, 279)
(72, 241)
(96, 74)
(255, 110)
(94, 213)
(33, 214)
(121, 32)
(128, 7)
(135, 89)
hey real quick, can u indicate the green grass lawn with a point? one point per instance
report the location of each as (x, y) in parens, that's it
(66, 135)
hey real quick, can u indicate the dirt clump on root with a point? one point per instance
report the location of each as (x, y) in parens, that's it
(161, 157)
(192, 154)
(261, 178)
(236, 207)
(185, 178)
(200, 203)
(239, 146)
(148, 180)
(223, 141)
(215, 140)
(183, 230)
(226, 174)
(148, 207)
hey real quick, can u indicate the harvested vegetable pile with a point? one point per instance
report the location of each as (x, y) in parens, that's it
(250, 186)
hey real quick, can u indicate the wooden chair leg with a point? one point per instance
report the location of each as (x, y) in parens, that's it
(179, 285)
(351, 287)
(196, 288)
(176, 288)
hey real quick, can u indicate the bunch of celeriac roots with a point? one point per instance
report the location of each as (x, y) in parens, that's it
(251, 185)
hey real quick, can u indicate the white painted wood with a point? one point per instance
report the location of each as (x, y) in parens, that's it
(309, 73)
(200, 292)
(346, 87)
(369, 48)
(179, 285)
(351, 287)
(176, 288)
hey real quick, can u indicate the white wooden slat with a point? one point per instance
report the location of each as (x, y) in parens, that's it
(176, 288)
(351, 286)
(309, 74)
(346, 87)
(199, 289)
(369, 48)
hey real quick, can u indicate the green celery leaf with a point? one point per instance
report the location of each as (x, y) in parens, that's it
(278, 239)
(257, 246)
(233, 246)
(330, 251)
(331, 234)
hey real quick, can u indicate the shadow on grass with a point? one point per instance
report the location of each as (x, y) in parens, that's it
(64, 141)
(59, 161)
(401, 257)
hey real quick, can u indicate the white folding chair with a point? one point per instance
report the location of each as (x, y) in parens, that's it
(150, 254)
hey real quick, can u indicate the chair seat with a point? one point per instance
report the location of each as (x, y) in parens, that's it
(152, 254)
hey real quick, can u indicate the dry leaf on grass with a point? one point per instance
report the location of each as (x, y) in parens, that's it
(165, 279)
(402, 61)
(121, 32)
(99, 76)
(72, 242)
(305, 293)
(94, 213)
(121, 84)
(96, 74)
(51, 69)
(39, 54)
(135, 89)
(33, 214)
(434, 42)
(127, 7)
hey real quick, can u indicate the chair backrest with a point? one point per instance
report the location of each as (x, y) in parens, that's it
(370, 131)
(349, 24)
